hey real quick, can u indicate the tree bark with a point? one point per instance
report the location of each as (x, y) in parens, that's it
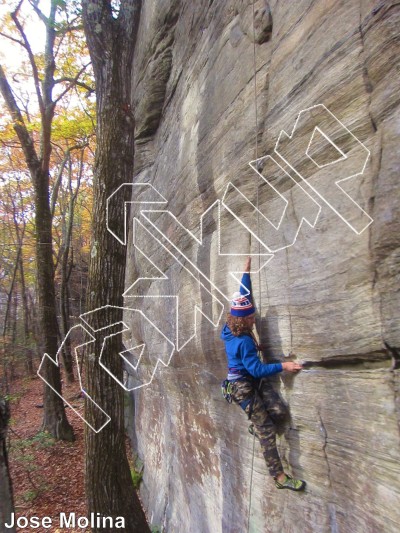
(54, 418)
(25, 307)
(20, 234)
(111, 42)
(6, 493)
(11, 292)
(66, 271)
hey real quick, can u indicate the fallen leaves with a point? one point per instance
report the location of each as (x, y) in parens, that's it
(47, 475)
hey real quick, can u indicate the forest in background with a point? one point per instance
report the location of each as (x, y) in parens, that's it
(70, 184)
(52, 179)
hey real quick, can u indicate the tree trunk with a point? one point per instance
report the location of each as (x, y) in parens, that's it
(6, 493)
(54, 420)
(11, 292)
(14, 317)
(66, 267)
(65, 322)
(25, 308)
(109, 486)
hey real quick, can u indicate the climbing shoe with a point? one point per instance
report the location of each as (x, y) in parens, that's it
(251, 429)
(290, 483)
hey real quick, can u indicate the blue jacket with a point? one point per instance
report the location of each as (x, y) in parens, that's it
(241, 351)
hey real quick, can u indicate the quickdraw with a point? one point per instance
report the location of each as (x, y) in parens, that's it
(226, 389)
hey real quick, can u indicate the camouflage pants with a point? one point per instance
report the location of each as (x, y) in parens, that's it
(264, 408)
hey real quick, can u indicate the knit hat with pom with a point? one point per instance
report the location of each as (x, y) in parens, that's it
(242, 305)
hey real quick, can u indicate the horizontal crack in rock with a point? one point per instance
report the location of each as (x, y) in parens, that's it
(350, 360)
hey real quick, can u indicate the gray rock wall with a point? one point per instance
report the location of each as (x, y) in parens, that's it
(212, 93)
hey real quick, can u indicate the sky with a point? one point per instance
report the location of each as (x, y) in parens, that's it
(12, 54)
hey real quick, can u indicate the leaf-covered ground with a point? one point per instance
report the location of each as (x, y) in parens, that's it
(48, 476)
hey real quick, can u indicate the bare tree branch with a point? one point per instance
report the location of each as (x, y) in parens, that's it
(40, 14)
(59, 45)
(27, 46)
(54, 194)
(47, 87)
(73, 82)
(76, 83)
(19, 124)
(50, 65)
(21, 43)
(69, 29)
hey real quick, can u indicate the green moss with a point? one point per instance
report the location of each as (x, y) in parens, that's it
(29, 495)
(43, 439)
(137, 477)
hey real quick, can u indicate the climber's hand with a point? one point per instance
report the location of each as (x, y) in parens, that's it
(291, 366)
(247, 266)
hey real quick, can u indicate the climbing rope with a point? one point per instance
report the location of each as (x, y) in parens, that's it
(259, 246)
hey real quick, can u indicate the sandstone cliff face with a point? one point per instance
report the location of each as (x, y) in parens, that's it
(215, 83)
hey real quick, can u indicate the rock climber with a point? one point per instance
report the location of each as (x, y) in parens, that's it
(245, 370)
